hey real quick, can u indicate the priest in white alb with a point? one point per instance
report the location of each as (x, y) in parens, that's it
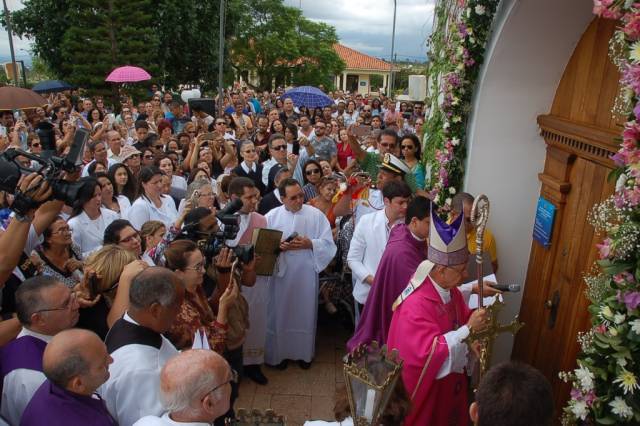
(138, 348)
(306, 250)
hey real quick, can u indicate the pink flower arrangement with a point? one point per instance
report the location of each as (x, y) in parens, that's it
(631, 75)
(604, 249)
(607, 9)
(589, 397)
(631, 300)
(631, 26)
(624, 278)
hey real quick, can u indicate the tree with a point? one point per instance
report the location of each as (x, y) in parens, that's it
(278, 44)
(104, 34)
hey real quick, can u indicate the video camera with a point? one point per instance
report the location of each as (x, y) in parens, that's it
(231, 224)
(51, 167)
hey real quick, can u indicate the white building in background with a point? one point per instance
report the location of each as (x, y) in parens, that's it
(356, 77)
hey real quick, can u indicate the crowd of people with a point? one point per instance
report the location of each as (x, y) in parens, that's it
(132, 305)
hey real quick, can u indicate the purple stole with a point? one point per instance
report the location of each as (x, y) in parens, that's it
(52, 405)
(23, 352)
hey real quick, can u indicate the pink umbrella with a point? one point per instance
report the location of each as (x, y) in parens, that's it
(128, 74)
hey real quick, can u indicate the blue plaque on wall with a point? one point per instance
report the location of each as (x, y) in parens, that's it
(543, 225)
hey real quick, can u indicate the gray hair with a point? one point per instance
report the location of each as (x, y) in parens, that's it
(182, 395)
(29, 298)
(197, 185)
(72, 365)
(153, 285)
(280, 172)
(459, 200)
(245, 142)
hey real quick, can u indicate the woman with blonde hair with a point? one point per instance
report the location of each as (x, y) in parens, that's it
(113, 269)
(151, 234)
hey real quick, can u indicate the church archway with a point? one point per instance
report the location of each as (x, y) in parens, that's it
(531, 46)
(544, 107)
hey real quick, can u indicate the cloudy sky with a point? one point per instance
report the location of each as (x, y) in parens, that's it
(364, 25)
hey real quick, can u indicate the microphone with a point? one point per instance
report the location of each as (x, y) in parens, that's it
(513, 288)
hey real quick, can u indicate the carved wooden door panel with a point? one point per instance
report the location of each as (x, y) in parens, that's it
(580, 135)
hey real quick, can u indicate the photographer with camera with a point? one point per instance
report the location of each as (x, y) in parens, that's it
(257, 296)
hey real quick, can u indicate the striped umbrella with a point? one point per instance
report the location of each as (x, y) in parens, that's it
(308, 96)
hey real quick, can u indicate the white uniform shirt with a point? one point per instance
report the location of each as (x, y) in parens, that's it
(365, 251)
(142, 210)
(88, 234)
(20, 385)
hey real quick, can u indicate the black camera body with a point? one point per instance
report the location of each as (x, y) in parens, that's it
(211, 246)
(51, 167)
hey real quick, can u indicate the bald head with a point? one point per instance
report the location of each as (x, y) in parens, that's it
(76, 360)
(187, 384)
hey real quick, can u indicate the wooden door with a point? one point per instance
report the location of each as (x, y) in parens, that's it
(580, 133)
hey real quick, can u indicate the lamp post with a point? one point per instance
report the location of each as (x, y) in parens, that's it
(9, 33)
(221, 59)
(393, 41)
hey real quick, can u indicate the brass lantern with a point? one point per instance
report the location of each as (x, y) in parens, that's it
(370, 374)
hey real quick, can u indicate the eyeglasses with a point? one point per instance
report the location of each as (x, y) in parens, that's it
(130, 238)
(73, 298)
(387, 145)
(158, 147)
(406, 147)
(247, 151)
(220, 123)
(279, 148)
(148, 157)
(133, 156)
(196, 267)
(233, 379)
(63, 230)
(36, 145)
(312, 172)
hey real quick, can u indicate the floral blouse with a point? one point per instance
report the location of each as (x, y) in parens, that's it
(196, 313)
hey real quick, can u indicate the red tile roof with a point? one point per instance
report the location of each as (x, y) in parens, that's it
(358, 60)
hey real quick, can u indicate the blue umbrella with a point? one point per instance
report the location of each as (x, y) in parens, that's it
(52, 86)
(308, 96)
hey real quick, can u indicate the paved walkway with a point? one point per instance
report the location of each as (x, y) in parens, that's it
(302, 394)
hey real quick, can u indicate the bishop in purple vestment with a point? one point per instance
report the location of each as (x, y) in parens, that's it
(75, 363)
(407, 247)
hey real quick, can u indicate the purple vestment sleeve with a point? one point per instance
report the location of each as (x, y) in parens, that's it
(399, 261)
(23, 352)
(52, 405)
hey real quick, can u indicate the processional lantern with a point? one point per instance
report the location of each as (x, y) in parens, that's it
(371, 374)
(487, 336)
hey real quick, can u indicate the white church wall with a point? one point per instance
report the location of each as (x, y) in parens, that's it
(531, 45)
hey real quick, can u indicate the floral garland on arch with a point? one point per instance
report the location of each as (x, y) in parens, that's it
(457, 47)
(605, 387)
